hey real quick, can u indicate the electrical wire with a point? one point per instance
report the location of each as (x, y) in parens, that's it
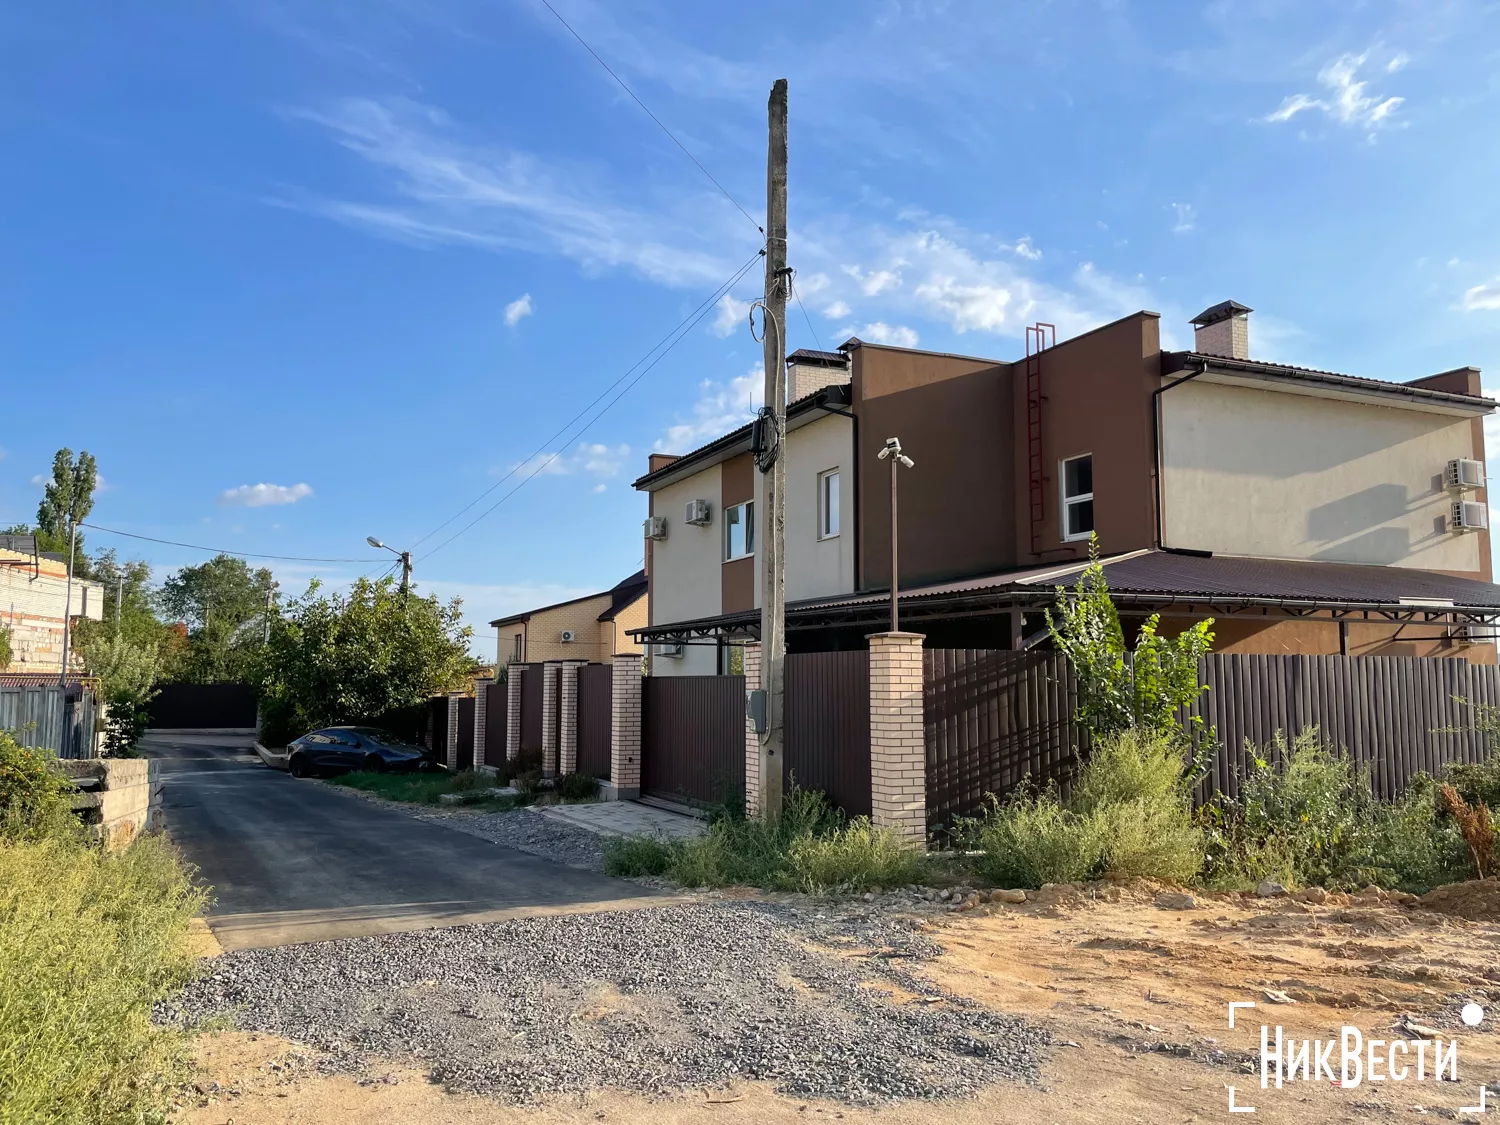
(653, 116)
(807, 318)
(214, 550)
(674, 338)
(691, 318)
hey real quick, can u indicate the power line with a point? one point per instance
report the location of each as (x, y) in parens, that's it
(692, 318)
(807, 318)
(651, 115)
(214, 550)
(675, 337)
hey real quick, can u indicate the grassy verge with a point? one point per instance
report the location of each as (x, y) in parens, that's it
(809, 847)
(89, 943)
(426, 788)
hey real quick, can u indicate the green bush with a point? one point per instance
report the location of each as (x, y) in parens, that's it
(637, 855)
(577, 787)
(1477, 783)
(89, 942)
(528, 782)
(35, 800)
(857, 856)
(1129, 814)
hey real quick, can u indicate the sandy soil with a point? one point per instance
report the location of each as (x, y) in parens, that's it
(1135, 997)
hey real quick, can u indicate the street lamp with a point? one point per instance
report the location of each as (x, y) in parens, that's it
(893, 451)
(404, 556)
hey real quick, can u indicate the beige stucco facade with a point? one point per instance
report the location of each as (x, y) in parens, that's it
(685, 569)
(816, 567)
(33, 596)
(538, 637)
(1266, 472)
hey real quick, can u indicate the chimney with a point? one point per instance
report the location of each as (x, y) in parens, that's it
(808, 372)
(1223, 330)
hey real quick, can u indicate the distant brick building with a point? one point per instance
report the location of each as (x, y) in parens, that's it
(33, 597)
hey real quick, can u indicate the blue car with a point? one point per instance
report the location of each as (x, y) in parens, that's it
(353, 748)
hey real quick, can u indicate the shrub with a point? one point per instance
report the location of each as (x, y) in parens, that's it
(528, 782)
(466, 781)
(637, 855)
(857, 856)
(89, 942)
(1477, 783)
(35, 800)
(577, 787)
(1032, 839)
(1473, 825)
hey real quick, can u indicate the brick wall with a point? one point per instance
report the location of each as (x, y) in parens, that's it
(625, 726)
(898, 755)
(549, 719)
(32, 608)
(752, 739)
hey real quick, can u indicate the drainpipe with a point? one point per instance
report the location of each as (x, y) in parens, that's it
(1156, 438)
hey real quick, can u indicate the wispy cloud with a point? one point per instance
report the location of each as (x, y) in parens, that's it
(593, 459)
(874, 282)
(730, 316)
(1346, 102)
(879, 332)
(1186, 216)
(1484, 298)
(518, 310)
(837, 311)
(720, 408)
(446, 189)
(264, 495)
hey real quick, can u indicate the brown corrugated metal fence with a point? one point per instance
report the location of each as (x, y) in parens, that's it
(595, 695)
(693, 738)
(494, 723)
(531, 708)
(466, 733)
(827, 726)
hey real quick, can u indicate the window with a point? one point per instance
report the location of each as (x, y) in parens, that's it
(828, 504)
(517, 653)
(1078, 497)
(739, 530)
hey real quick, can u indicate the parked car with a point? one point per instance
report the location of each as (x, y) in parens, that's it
(353, 748)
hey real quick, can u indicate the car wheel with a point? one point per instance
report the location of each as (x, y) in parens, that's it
(374, 763)
(297, 766)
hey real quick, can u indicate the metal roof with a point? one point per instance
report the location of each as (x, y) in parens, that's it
(1222, 311)
(818, 359)
(1180, 361)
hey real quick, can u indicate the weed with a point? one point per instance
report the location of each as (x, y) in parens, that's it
(1473, 825)
(35, 801)
(577, 787)
(637, 855)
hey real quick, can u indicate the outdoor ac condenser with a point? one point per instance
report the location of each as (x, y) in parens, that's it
(1463, 473)
(655, 527)
(1470, 515)
(568, 636)
(698, 513)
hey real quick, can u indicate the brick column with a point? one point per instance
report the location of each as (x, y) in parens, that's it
(626, 689)
(898, 754)
(481, 710)
(452, 737)
(752, 740)
(513, 713)
(549, 719)
(567, 724)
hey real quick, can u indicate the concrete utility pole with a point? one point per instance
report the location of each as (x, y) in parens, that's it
(772, 548)
(893, 451)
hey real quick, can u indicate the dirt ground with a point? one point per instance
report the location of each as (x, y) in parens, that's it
(1135, 997)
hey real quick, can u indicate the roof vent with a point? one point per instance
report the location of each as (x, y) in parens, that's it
(1223, 329)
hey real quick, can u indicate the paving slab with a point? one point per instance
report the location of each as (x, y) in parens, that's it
(628, 818)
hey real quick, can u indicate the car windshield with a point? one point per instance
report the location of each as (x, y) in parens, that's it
(384, 738)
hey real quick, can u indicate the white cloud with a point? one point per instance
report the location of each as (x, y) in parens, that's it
(264, 495)
(1024, 249)
(1398, 62)
(719, 409)
(837, 311)
(879, 332)
(1347, 103)
(812, 284)
(600, 487)
(593, 459)
(875, 282)
(1186, 216)
(40, 481)
(448, 190)
(518, 310)
(1483, 297)
(731, 317)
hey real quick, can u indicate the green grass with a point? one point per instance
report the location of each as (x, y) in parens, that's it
(425, 788)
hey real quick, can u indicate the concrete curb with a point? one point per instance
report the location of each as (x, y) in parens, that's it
(275, 761)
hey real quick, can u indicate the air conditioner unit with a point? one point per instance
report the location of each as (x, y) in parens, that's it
(1470, 515)
(1462, 473)
(655, 527)
(698, 513)
(568, 636)
(671, 652)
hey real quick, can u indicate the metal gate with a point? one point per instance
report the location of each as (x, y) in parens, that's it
(827, 726)
(595, 696)
(693, 738)
(466, 733)
(531, 710)
(495, 722)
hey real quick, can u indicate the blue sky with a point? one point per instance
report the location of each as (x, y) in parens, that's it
(298, 273)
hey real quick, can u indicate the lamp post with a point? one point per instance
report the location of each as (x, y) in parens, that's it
(892, 451)
(404, 556)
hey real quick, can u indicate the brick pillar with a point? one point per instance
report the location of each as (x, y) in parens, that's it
(898, 754)
(627, 687)
(567, 720)
(752, 740)
(481, 710)
(452, 737)
(513, 713)
(549, 719)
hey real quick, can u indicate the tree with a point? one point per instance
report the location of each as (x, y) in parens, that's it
(127, 677)
(222, 601)
(340, 659)
(5, 653)
(1119, 690)
(67, 499)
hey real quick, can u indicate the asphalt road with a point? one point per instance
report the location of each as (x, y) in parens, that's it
(295, 861)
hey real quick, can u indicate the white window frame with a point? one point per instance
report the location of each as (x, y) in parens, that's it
(823, 479)
(746, 508)
(1065, 501)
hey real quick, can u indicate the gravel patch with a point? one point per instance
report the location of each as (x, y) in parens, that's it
(527, 830)
(651, 1001)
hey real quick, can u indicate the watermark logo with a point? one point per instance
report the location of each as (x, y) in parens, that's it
(1350, 1060)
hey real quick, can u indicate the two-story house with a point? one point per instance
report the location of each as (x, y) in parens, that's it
(1306, 511)
(593, 627)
